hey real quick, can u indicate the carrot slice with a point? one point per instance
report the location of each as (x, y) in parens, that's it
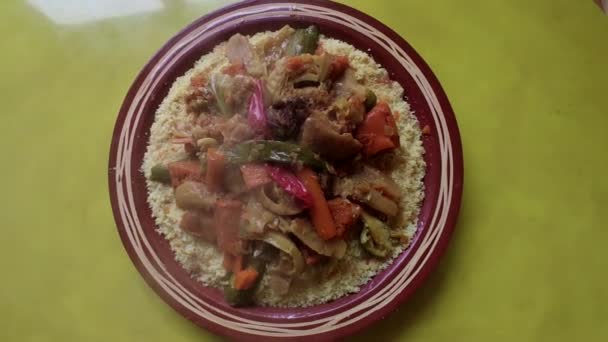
(215, 170)
(254, 175)
(245, 279)
(227, 219)
(319, 211)
(228, 262)
(238, 265)
(181, 171)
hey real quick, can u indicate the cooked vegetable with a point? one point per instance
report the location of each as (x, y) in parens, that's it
(371, 187)
(274, 151)
(235, 130)
(254, 175)
(228, 262)
(277, 80)
(231, 92)
(286, 116)
(233, 181)
(227, 218)
(370, 100)
(160, 173)
(338, 66)
(272, 47)
(290, 183)
(311, 257)
(215, 170)
(180, 171)
(344, 212)
(284, 244)
(192, 195)
(306, 80)
(323, 63)
(200, 224)
(321, 138)
(204, 144)
(256, 219)
(266, 120)
(245, 279)
(319, 212)
(257, 113)
(240, 51)
(239, 262)
(278, 200)
(304, 231)
(375, 237)
(381, 203)
(279, 283)
(381, 182)
(378, 132)
(426, 130)
(238, 298)
(303, 41)
(217, 89)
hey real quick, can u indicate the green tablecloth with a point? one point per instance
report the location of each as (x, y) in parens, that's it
(528, 261)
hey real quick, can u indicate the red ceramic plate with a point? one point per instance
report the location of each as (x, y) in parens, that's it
(150, 252)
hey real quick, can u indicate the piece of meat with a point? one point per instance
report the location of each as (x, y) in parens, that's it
(319, 135)
(286, 116)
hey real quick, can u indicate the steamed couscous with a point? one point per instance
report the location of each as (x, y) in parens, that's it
(285, 168)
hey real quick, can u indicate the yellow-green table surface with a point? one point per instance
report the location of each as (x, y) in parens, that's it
(529, 258)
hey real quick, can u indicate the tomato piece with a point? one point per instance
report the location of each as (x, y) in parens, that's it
(378, 132)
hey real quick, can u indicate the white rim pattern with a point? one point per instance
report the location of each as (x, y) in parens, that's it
(154, 265)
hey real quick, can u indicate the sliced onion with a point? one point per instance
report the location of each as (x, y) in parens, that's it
(239, 50)
(381, 203)
(277, 200)
(284, 244)
(304, 231)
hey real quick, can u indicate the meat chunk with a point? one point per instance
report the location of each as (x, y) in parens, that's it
(286, 116)
(319, 135)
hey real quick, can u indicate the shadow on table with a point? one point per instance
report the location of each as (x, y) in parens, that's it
(416, 308)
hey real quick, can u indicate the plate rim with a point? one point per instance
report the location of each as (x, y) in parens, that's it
(453, 131)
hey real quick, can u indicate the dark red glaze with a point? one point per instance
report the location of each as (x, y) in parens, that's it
(432, 178)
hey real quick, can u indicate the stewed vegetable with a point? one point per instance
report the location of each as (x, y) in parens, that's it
(280, 164)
